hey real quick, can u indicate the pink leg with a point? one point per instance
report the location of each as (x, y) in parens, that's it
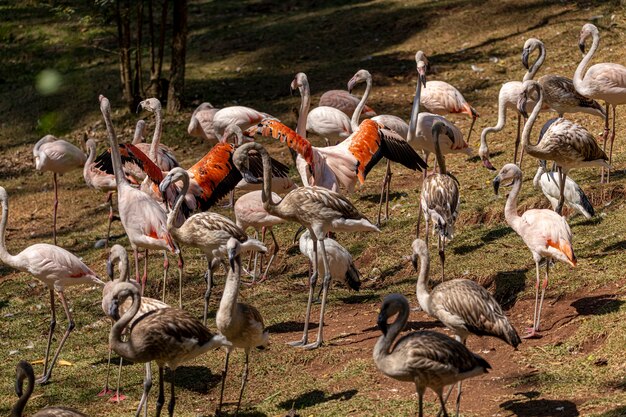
(181, 265)
(136, 255)
(605, 137)
(106, 391)
(56, 204)
(144, 278)
(544, 285)
(532, 332)
(70, 327)
(608, 171)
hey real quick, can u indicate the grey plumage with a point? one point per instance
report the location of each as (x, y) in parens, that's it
(23, 371)
(429, 359)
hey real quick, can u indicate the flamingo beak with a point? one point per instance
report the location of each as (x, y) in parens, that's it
(421, 71)
(496, 184)
(382, 321)
(298, 232)
(114, 310)
(487, 163)
(232, 254)
(414, 261)
(525, 55)
(521, 105)
(351, 84)
(110, 269)
(164, 185)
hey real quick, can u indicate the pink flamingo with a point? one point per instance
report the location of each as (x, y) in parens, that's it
(605, 81)
(545, 232)
(53, 266)
(201, 123)
(161, 155)
(59, 157)
(242, 116)
(143, 219)
(344, 101)
(249, 212)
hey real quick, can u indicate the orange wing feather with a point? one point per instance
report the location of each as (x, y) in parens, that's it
(277, 130)
(213, 168)
(566, 248)
(364, 145)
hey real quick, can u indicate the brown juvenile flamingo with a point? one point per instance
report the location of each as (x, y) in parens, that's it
(119, 256)
(344, 101)
(242, 324)
(206, 231)
(567, 144)
(23, 371)
(461, 305)
(167, 336)
(605, 81)
(201, 122)
(143, 219)
(59, 157)
(440, 199)
(53, 266)
(428, 359)
(545, 232)
(319, 210)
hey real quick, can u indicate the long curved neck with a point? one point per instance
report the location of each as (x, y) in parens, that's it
(20, 404)
(354, 121)
(156, 137)
(5, 256)
(115, 337)
(90, 158)
(173, 215)
(305, 105)
(421, 289)
(116, 159)
(582, 66)
(502, 101)
(231, 288)
(266, 191)
(510, 209)
(414, 112)
(441, 161)
(123, 268)
(530, 74)
(531, 121)
(381, 350)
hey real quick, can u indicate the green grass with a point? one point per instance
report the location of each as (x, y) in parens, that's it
(246, 52)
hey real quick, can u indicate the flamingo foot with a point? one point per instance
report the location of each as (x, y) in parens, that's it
(531, 333)
(116, 398)
(43, 380)
(297, 343)
(313, 345)
(106, 391)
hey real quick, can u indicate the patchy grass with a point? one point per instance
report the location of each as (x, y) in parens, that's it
(246, 52)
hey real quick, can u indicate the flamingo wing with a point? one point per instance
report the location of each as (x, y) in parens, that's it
(277, 130)
(546, 229)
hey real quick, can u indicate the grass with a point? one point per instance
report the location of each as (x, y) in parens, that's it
(246, 52)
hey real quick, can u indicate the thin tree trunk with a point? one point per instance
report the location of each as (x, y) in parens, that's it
(122, 17)
(137, 79)
(179, 49)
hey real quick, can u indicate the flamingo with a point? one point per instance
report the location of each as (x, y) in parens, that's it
(428, 359)
(605, 81)
(53, 266)
(327, 122)
(119, 255)
(242, 116)
(319, 210)
(59, 157)
(161, 155)
(24, 370)
(441, 98)
(440, 199)
(461, 305)
(388, 120)
(201, 123)
(575, 197)
(241, 324)
(249, 212)
(143, 219)
(167, 336)
(207, 231)
(344, 101)
(564, 142)
(545, 232)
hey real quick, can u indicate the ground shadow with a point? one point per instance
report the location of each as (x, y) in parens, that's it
(356, 298)
(289, 327)
(540, 408)
(475, 159)
(508, 284)
(375, 197)
(597, 305)
(314, 397)
(617, 412)
(198, 379)
(491, 235)
(413, 326)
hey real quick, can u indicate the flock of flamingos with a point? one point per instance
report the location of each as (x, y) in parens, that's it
(165, 207)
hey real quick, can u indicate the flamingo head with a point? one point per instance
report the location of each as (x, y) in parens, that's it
(299, 82)
(508, 172)
(530, 86)
(361, 76)
(233, 247)
(529, 46)
(586, 31)
(392, 304)
(151, 104)
(234, 131)
(423, 66)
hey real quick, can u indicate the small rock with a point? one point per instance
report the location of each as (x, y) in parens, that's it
(13, 352)
(476, 68)
(100, 244)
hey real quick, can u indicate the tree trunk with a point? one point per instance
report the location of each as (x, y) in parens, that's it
(158, 85)
(122, 17)
(137, 79)
(179, 49)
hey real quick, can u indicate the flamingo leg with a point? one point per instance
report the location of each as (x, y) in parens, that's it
(118, 397)
(144, 278)
(442, 256)
(161, 397)
(383, 194)
(312, 282)
(517, 138)
(274, 252)
(136, 255)
(442, 403)
(544, 285)
(562, 175)
(326, 284)
(110, 201)
(209, 287)
(106, 390)
(389, 174)
(224, 372)
(181, 267)
(608, 171)
(244, 379)
(165, 262)
(56, 204)
(420, 397)
(605, 136)
(469, 134)
(53, 323)
(147, 385)
(70, 327)
(426, 229)
(532, 331)
(172, 403)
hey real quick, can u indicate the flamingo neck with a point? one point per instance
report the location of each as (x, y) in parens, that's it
(510, 209)
(122, 266)
(20, 404)
(305, 105)
(441, 161)
(5, 256)
(116, 159)
(530, 74)
(90, 158)
(156, 137)
(384, 343)
(531, 121)
(173, 215)
(125, 349)
(354, 121)
(502, 101)
(421, 289)
(266, 192)
(414, 112)
(582, 66)
(231, 288)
